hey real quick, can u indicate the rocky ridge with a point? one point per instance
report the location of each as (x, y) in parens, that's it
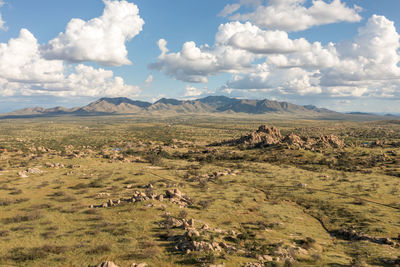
(210, 104)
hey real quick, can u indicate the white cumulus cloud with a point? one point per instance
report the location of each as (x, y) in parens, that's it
(283, 81)
(249, 37)
(88, 81)
(23, 71)
(191, 91)
(294, 15)
(195, 64)
(236, 46)
(20, 61)
(367, 66)
(101, 39)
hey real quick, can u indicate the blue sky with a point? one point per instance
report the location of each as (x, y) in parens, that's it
(313, 54)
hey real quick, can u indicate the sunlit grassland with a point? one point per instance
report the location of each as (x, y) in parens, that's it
(45, 219)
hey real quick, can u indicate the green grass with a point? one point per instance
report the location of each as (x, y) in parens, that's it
(45, 219)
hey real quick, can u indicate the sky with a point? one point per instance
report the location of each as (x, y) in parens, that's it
(339, 54)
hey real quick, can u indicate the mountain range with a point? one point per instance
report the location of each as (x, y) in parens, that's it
(209, 104)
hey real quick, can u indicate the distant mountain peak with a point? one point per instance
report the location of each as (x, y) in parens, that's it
(121, 100)
(169, 101)
(115, 99)
(209, 104)
(211, 98)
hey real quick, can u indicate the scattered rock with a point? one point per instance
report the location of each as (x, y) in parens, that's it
(33, 171)
(180, 223)
(192, 233)
(54, 165)
(139, 264)
(150, 186)
(103, 194)
(254, 264)
(193, 240)
(23, 174)
(302, 185)
(107, 264)
(49, 165)
(191, 223)
(378, 143)
(175, 223)
(205, 227)
(267, 258)
(175, 196)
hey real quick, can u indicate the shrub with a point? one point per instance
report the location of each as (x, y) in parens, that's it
(20, 254)
(99, 249)
(205, 204)
(23, 218)
(183, 214)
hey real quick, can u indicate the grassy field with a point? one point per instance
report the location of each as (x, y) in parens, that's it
(271, 206)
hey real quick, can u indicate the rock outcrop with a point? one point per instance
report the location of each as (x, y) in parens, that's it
(266, 136)
(175, 196)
